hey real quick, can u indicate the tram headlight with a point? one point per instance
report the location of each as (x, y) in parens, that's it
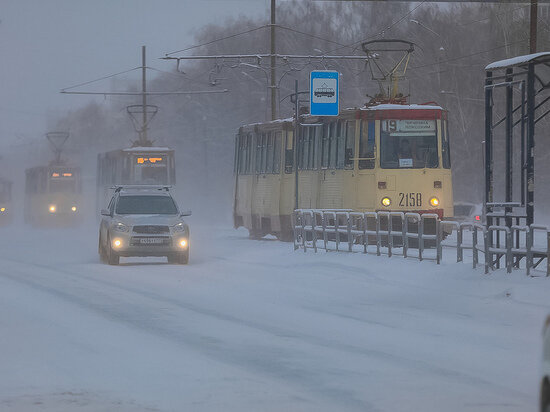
(434, 201)
(386, 201)
(52, 208)
(2, 209)
(120, 227)
(73, 208)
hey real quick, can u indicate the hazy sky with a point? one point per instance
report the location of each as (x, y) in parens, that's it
(46, 45)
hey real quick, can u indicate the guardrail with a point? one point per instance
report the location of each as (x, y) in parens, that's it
(422, 236)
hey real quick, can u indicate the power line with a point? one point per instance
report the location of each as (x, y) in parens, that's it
(102, 78)
(382, 31)
(490, 17)
(217, 40)
(469, 55)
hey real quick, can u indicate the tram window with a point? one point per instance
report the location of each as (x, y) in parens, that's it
(269, 160)
(151, 175)
(62, 186)
(340, 145)
(289, 153)
(366, 145)
(350, 145)
(248, 156)
(258, 139)
(401, 148)
(446, 147)
(312, 148)
(305, 149)
(333, 147)
(277, 153)
(325, 146)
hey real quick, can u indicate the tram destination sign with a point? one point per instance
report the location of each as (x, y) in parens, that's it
(420, 127)
(323, 93)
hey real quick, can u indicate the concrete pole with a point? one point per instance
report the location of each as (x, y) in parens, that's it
(273, 51)
(533, 28)
(143, 134)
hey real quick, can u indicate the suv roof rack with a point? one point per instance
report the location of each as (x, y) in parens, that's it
(118, 188)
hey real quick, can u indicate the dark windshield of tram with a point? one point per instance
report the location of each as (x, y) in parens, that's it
(408, 144)
(62, 185)
(151, 170)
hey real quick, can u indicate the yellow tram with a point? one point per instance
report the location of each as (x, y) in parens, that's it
(53, 194)
(386, 157)
(6, 212)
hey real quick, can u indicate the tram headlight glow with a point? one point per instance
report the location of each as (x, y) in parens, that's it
(52, 208)
(434, 201)
(73, 208)
(2, 209)
(386, 201)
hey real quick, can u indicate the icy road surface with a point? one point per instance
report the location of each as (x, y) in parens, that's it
(254, 326)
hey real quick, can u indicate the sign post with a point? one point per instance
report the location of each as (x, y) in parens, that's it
(324, 91)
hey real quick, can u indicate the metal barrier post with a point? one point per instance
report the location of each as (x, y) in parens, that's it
(325, 240)
(547, 253)
(337, 231)
(509, 256)
(420, 238)
(304, 232)
(405, 235)
(365, 238)
(439, 249)
(390, 236)
(350, 239)
(475, 252)
(378, 241)
(488, 255)
(294, 230)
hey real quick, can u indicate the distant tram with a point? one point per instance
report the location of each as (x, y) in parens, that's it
(133, 166)
(387, 157)
(53, 194)
(6, 212)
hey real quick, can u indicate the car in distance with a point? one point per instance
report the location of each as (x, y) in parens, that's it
(468, 212)
(545, 369)
(143, 221)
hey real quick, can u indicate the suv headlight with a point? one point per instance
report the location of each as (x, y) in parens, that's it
(120, 227)
(179, 228)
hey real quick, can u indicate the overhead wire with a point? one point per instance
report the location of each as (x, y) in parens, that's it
(101, 78)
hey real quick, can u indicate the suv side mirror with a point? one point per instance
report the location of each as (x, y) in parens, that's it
(105, 212)
(186, 213)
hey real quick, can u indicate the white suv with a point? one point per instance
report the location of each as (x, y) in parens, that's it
(143, 221)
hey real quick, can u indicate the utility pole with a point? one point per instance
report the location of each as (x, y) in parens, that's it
(296, 131)
(533, 31)
(143, 134)
(272, 86)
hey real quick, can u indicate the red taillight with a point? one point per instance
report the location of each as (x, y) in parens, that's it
(478, 218)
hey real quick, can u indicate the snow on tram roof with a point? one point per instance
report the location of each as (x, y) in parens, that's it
(288, 119)
(402, 107)
(518, 61)
(147, 149)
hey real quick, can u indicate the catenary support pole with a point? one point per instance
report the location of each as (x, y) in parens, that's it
(143, 136)
(296, 129)
(273, 74)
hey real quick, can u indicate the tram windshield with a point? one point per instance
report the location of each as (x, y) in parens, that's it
(146, 205)
(151, 170)
(5, 192)
(408, 144)
(62, 186)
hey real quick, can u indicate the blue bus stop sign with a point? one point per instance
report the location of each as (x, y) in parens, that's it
(323, 90)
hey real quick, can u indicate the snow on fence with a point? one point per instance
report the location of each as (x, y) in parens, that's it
(421, 236)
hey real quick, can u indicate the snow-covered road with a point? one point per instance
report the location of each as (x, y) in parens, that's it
(254, 326)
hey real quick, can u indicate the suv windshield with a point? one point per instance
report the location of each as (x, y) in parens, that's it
(146, 205)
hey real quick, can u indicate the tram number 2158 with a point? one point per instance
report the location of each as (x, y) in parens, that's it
(410, 199)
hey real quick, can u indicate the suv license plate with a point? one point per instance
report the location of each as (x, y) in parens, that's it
(151, 241)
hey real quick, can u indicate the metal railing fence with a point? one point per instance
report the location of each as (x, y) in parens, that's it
(421, 236)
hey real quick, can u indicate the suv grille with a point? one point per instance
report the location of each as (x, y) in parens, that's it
(152, 230)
